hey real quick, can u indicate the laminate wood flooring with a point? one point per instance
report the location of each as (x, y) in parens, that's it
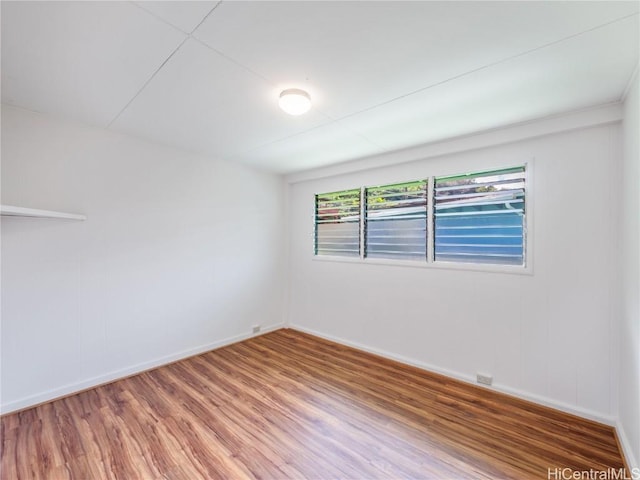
(287, 405)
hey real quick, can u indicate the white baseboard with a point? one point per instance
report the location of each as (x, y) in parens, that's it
(70, 389)
(633, 462)
(547, 402)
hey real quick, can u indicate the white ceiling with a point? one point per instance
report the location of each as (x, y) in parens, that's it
(206, 75)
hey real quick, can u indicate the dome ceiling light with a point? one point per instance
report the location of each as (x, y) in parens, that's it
(294, 101)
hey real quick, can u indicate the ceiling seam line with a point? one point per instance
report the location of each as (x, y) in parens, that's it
(331, 122)
(157, 17)
(148, 81)
(188, 35)
(166, 22)
(205, 17)
(234, 61)
(489, 65)
(262, 145)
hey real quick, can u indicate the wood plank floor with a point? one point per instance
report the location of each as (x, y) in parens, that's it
(289, 405)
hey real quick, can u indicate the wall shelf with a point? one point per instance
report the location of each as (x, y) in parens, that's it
(11, 211)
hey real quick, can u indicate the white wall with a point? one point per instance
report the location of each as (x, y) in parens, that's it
(629, 407)
(550, 336)
(179, 254)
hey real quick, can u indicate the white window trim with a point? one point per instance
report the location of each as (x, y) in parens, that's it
(363, 221)
(468, 267)
(527, 269)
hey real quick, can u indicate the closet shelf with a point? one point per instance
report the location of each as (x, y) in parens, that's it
(11, 211)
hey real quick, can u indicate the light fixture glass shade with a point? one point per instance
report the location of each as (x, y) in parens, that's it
(295, 101)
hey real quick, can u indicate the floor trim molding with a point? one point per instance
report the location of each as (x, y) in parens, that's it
(625, 448)
(580, 412)
(73, 388)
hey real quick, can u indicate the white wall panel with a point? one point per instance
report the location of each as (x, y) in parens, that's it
(178, 253)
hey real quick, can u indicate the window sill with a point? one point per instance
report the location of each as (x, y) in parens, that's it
(468, 267)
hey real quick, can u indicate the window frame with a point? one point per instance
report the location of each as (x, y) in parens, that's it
(430, 263)
(525, 214)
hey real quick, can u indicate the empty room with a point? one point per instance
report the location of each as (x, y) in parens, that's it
(320, 240)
